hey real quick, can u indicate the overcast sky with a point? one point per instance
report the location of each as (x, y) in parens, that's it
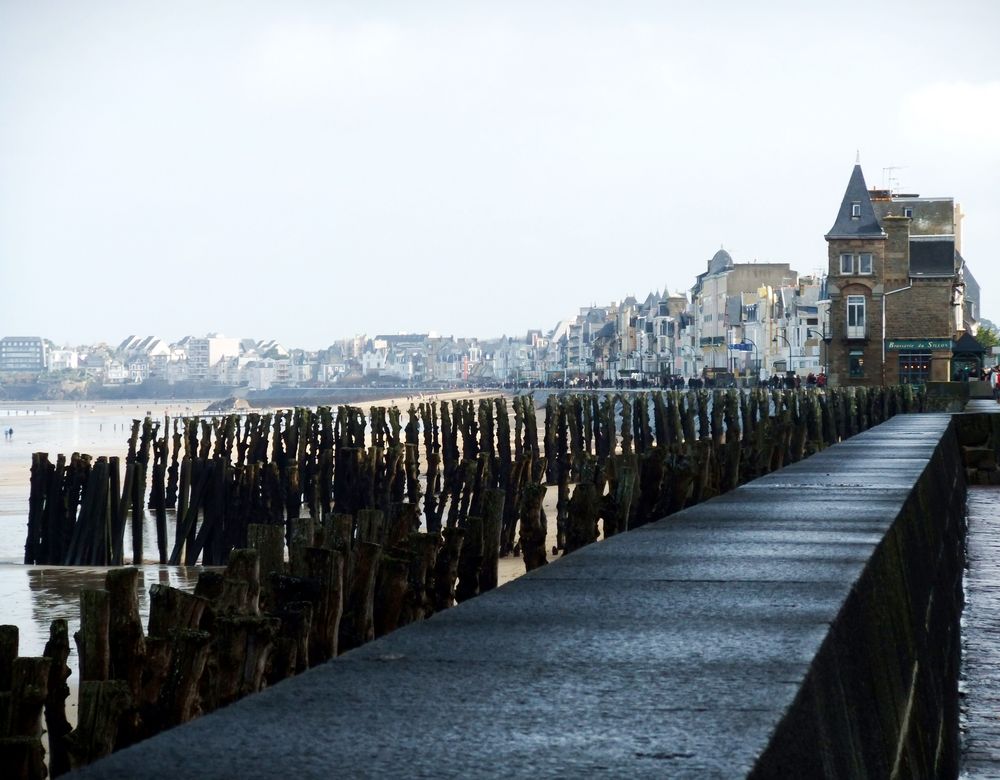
(311, 170)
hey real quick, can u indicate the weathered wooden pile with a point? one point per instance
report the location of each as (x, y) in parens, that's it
(384, 541)
(224, 474)
(199, 652)
(632, 458)
(677, 448)
(77, 509)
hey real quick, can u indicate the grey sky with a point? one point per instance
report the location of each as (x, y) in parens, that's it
(310, 170)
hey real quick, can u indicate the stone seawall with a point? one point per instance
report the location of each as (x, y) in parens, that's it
(979, 438)
(881, 697)
(804, 624)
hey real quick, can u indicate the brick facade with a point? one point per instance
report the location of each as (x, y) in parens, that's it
(919, 315)
(839, 287)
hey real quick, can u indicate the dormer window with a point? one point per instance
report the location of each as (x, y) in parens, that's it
(856, 210)
(908, 212)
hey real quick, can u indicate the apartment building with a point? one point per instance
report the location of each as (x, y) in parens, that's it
(901, 295)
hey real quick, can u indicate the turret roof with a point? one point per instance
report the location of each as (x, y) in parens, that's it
(865, 224)
(720, 262)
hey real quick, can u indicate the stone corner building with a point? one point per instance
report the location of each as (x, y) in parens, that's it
(900, 293)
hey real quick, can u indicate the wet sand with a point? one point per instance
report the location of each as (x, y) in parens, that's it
(34, 596)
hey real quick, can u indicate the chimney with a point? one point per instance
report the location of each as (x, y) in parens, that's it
(897, 250)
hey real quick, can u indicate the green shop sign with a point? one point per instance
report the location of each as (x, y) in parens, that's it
(913, 344)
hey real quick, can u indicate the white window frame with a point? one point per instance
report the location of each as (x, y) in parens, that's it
(846, 264)
(865, 263)
(855, 210)
(856, 328)
(908, 211)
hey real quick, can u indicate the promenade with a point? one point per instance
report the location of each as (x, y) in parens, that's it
(981, 637)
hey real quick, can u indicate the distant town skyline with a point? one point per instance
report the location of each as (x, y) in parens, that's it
(306, 171)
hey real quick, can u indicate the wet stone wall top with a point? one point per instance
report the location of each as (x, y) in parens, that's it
(672, 650)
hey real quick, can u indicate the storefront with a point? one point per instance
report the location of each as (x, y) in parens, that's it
(914, 368)
(915, 360)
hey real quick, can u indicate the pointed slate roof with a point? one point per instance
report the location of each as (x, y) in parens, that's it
(866, 225)
(967, 343)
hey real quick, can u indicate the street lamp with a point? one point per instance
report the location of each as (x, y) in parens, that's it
(788, 368)
(826, 342)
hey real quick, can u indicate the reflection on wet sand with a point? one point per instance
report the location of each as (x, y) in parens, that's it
(54, 592)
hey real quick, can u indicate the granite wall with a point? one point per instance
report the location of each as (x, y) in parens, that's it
(881, 697)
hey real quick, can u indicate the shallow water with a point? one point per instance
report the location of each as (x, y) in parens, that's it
(54, 428)
(31, 597)
(34, 596)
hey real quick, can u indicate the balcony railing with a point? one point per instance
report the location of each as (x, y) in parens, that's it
(856, 332)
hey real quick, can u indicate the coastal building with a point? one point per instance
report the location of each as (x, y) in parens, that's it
(22, 354)
(115, 372)
(204, 353)
(805, 326)
(717, 301)
(269, 348)
(145, 357)
(755, 348)
(776, 330)
(138, 370)
(578, 355)
(265, 373)
(667, 315)
(63, 360)
(901, 295)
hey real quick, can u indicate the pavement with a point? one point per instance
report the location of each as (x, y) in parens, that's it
(670, 651)
(981, 637)
(980, 686)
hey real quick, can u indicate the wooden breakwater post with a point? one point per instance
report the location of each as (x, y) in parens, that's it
(699, 444)
(23, 694)
(29, 687)
(227, 473)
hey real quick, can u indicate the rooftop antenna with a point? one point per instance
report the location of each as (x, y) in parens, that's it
(890, 180)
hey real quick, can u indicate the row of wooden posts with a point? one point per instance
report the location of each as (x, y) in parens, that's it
(383, 543)
(346, 582)
(677, 448)
(221, 475)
